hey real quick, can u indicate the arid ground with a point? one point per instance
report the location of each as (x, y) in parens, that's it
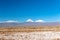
(30, 33)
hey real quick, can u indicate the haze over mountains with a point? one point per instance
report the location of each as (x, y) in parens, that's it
(30, 24)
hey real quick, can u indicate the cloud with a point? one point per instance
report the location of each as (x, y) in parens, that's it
(39, 20)
(11, 21)
(29, 20)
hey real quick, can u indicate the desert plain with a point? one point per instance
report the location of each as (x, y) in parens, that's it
(30, 33)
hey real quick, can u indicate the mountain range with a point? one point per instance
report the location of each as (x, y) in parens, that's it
(30, 24)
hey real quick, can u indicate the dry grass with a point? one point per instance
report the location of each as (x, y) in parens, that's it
(29, 29)
(12, 30)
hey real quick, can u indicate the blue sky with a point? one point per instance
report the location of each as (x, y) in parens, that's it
(21, 10)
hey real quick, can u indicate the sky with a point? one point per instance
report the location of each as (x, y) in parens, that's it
(21, 10)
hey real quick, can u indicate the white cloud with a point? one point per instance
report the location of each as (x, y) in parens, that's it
(39, 20)
(29, 20)
(11, 21)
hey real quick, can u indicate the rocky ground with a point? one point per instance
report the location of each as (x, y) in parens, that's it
(31, 36)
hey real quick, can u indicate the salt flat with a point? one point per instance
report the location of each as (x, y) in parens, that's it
(50, 35)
